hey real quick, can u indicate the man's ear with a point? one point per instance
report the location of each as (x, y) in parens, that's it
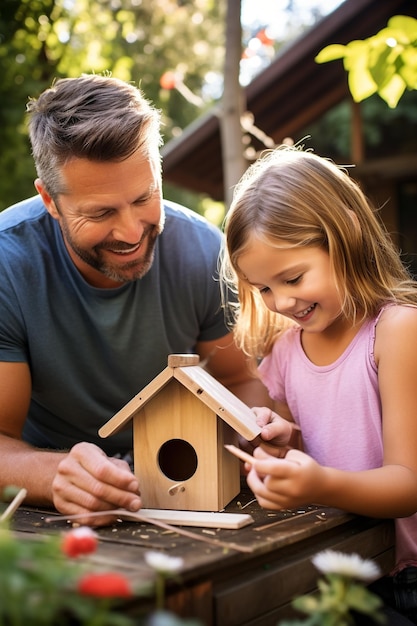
(47, 200)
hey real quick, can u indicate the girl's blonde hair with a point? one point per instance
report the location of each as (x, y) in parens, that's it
(289, 198)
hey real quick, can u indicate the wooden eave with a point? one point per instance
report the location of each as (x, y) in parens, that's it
(289, 94)
(206, 388)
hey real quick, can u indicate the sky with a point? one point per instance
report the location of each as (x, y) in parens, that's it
(276, 13)
(283, 20)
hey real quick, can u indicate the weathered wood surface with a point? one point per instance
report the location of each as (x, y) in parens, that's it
(222, 586)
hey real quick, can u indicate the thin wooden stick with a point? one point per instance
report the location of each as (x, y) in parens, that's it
(286, 519)
(150, 520)
(14, 505)
(243, 456)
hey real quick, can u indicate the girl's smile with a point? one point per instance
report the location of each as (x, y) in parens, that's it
(304, 314)
(296, 282)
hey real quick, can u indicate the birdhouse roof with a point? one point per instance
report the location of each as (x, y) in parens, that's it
(185, 369)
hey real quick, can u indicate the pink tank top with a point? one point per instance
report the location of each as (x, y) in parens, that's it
(338, 411)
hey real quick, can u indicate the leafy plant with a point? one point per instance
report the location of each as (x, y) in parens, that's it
(43, 584)
(44, 581)
(341, 593)
(385, 63)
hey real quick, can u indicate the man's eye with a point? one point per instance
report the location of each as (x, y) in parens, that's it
(141, 201)
(145, 199)
(99, 216)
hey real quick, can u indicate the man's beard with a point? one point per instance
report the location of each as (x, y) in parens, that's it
(121, 273)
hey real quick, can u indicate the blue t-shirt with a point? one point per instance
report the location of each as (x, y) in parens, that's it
(91, 350)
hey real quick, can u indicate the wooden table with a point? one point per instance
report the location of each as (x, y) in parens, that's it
(223, 586)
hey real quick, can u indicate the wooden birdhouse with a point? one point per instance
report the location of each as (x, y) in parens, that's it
(181, 422)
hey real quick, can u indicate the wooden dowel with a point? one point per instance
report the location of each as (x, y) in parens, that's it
(14, 505)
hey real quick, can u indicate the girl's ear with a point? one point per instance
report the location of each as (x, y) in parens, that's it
(47, 200)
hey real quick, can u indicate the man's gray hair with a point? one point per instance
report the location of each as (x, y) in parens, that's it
(93, 117)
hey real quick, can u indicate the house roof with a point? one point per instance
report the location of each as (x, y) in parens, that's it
(292, 92)
(199, 382)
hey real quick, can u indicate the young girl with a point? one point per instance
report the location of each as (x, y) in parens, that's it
(326, 303)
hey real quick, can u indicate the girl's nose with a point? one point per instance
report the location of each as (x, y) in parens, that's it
(283, 303)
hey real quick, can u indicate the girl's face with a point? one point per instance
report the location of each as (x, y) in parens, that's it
(296, 282)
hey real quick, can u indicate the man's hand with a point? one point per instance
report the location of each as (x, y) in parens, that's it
(88, 481)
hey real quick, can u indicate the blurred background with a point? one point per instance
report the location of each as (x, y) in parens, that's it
(200, 61)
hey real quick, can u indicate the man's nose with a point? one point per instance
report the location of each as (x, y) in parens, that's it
(129, 227)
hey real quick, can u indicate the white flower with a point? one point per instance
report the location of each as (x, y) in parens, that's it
(163, 563)
(349, 565)
(82, 531)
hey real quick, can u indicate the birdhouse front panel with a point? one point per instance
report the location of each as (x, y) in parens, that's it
(179, 454)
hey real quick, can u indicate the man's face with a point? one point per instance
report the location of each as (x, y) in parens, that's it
(110, 217)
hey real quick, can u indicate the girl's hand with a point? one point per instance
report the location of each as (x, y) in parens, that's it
(285, 483)
(276, 433)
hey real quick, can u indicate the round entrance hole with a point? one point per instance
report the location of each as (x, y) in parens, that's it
(177, 459)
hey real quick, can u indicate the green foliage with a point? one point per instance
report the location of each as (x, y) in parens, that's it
(41, 40)
(38, 586)
(26, 67)
(342, 593)
(382, 128)
(44, 580)
(385, 63)
(200, 203)
(338, 599)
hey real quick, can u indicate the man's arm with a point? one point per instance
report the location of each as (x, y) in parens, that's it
(79, 481)
(22, 465)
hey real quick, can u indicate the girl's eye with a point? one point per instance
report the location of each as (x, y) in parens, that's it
(263, 290)
(294, 281)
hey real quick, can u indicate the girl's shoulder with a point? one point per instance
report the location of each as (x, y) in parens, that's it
(397, 314)
(396, 326)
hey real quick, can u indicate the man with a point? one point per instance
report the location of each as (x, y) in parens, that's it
(100, 281)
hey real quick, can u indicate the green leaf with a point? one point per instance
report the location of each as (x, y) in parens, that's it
(361, 83)
(331, 53)
(390, 37)
(357, 54)
(392, 91)
(408, 70)
(381, 69)
(9, 493)
(406, 25)
(385, 63)
(360, 599)
(307, 604)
